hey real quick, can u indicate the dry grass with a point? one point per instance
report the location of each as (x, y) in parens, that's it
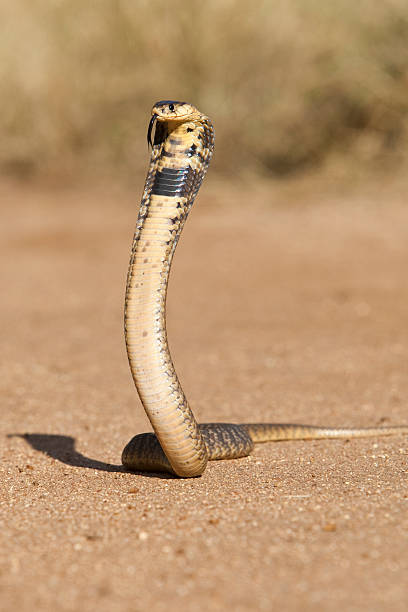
(289, 85)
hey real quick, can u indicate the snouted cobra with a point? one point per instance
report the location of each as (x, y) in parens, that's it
(182, 143)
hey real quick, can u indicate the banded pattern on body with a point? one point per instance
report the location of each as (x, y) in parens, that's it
(182, 146)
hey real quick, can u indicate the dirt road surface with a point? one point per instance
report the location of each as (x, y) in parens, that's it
(281, 308)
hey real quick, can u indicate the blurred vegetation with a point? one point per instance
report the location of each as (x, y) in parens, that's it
(289, 85)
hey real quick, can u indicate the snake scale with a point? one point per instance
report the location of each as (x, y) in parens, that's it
(182, 143)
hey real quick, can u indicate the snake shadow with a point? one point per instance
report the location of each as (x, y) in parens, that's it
(62, 448)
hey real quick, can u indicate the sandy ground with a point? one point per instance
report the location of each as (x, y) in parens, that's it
(283, 309)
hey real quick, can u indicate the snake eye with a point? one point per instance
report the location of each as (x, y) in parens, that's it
(171, 107)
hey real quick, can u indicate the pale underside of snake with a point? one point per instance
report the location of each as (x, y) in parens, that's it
(182, 141)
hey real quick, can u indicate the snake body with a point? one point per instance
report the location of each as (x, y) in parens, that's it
(182, 147)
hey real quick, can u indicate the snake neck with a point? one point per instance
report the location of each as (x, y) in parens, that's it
(180, 157)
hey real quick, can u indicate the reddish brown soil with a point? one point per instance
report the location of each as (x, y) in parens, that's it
(282, 308)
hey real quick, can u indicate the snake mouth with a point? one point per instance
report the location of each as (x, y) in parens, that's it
(167, 121)
(150, 130)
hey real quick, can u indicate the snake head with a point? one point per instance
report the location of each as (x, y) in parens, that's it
(171, 111)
